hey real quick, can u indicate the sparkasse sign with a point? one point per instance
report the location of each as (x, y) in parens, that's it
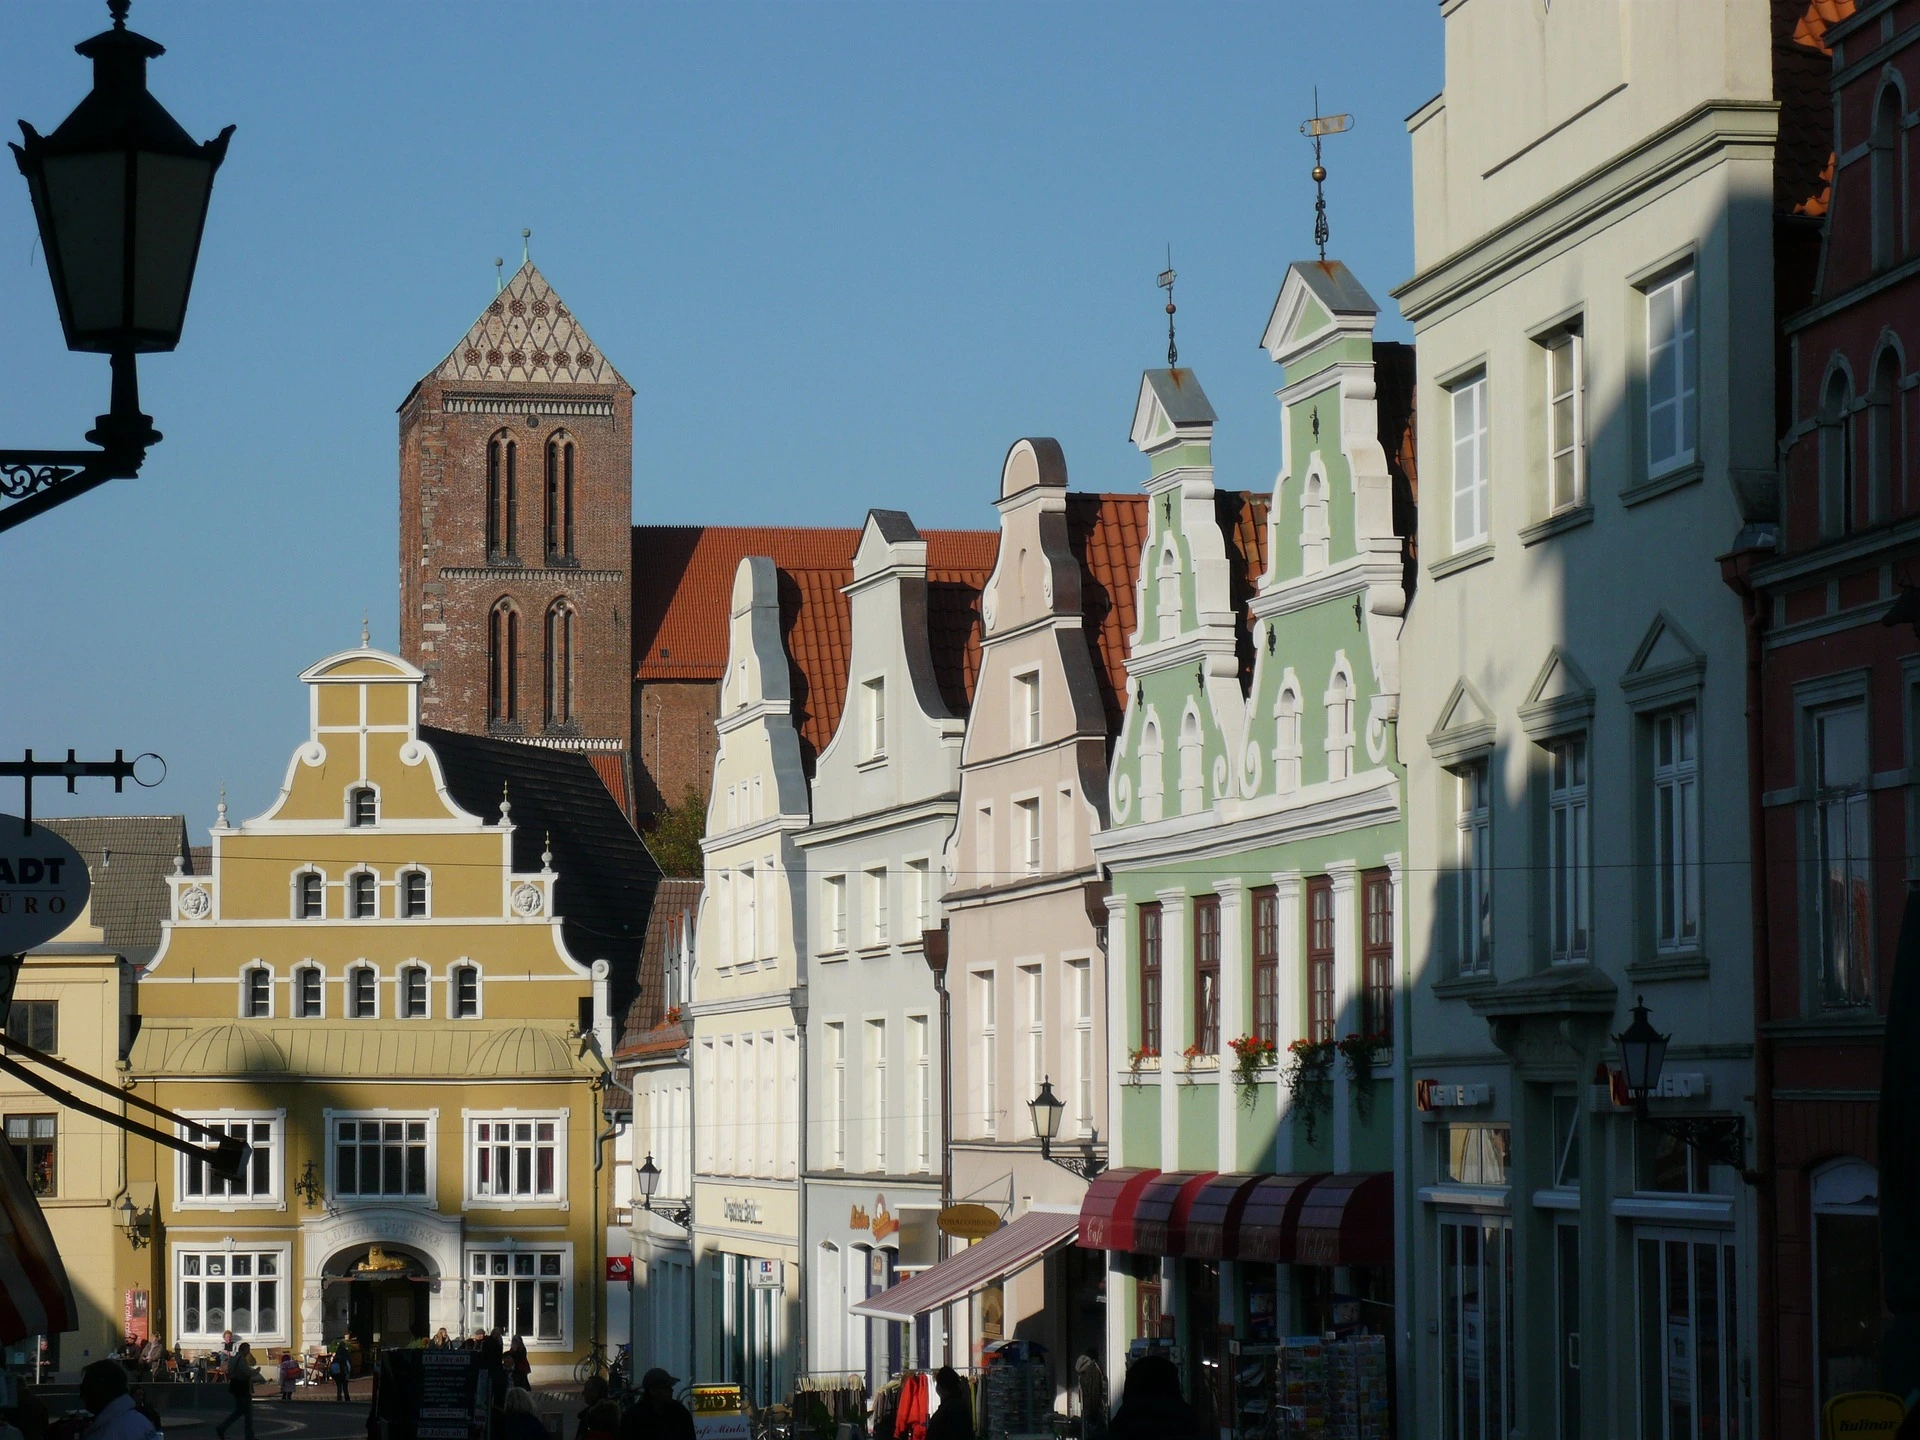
(43, 885)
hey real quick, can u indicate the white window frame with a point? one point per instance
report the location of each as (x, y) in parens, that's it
(1729, 1347)
(401, 1000)
(350, 1005)
(1080, 1102)
(426, 892)
(1490, 1276)
(876, 1098)
(1287, 728)
(1033, 1006)
(354, 791)
(920, 1063)
(1026, 706)
(834, 913)
(331, 1139)
(296, 1002)
(1340, 699)
(873, 718)
(177, 1253)
(1569, 778)
(1823, 802)
(298, 899)
(919, 896)
(1676, 831)
(1467, 407)
(453, 989)
(247, 974)
(478, 1199)
(353, 879)
(469, 1264)
(879, 930)
(1027, 835)
(1570, 342)
(1473, 811)
(1676, 288)
(274, 1198)
(985, 997)
(837, 1094)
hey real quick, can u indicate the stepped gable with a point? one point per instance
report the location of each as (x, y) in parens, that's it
(682, 597)
(527, 336)
(560, 801)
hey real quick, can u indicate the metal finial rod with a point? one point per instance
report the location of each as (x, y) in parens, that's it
(1321, 125)
(526, 246)
(1166, 284)
(118, 9)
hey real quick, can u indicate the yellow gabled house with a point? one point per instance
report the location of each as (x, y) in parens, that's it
(396, 984)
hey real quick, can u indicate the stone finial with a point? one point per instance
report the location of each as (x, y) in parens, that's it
(506, 807)
(220, 815)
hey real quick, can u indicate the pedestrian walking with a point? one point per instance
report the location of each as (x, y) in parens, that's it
(342, 1371)
(519, 1367)
(289, 1374)
(1151, 1406)
(656, 1415)
(240, 1378)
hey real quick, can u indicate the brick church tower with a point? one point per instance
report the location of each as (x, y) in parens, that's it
(516, 532)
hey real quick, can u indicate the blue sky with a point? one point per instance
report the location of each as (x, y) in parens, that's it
(846, 254)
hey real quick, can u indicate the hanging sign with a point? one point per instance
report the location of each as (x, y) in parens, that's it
(968, 1222)
(620, 1267)
(1861, 1414)
(43, 885)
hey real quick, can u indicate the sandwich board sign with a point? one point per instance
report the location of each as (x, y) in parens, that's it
(43, 885)
(719, 1413)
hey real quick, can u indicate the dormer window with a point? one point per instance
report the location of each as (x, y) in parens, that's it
(364, 891)
(413, 894)
(256, 992)
(309, 896)
(363, 808)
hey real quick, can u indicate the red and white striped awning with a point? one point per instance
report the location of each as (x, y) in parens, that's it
(1010, 1248)
(35, 1296)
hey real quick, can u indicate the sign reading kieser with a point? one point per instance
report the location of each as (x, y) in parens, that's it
(43, 885)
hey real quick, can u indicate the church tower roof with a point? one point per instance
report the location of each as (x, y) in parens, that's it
(527, 336)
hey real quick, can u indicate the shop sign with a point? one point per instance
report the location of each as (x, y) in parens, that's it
(968, 1222)
(43, 885)
(741, 1212)
(880, 1224)
(620, 1267)
(1861, 1415)
(135, 1316)
(1433, 1095)
(766, 1274)
(718, 1413)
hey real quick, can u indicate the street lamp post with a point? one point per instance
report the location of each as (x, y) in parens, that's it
(648, 1177)
(1046, 1108)
(1720, 1139)
(120, 195)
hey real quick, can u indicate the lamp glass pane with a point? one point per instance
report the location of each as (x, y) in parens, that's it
(86, 205)
(170, 203)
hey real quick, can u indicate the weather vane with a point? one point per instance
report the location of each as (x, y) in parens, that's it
(1314, 129)
(1166, 284)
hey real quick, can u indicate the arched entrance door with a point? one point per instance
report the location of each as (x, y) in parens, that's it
(377, 1296)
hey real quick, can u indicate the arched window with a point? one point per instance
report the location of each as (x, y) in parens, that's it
(308, 990)
(363, 807)
(1169, 586)
(363, 895)
(1339, 700)
(464, 983)
(309, 896)
(413, 992)
(1286, 741)
(559, 664)
(1314, 542)
(413, 894)
(1883, 434)
(363, 995)
(503, 496)
(503, 663)
(559, 497)
(256, 992)
(1153, 772)
(1888, 194)
(1836, 456)
(1192, 784)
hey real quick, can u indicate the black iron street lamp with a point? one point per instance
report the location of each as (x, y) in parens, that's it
(120, 194)
(649, 1177)
(1720, 1139)
(1046, 1109)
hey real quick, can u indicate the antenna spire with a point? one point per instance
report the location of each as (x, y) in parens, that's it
(499, 280)
(526, 246)
(1166, 283)
(366, 641)
(1314, 129)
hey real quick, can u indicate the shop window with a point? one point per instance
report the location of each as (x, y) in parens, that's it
(1266, 965)
(1566, 1275)
(35, 1023)
(221, 1290)
(1206, 974)
(380, 1158)
(520, 1292)
(1476, 1328)
(1848, 1316)
(1689, 1331)
(1376, 956)
(517, 1158)
(1474, 1154)
(34, 1141)
(1663, 1163)
(1566, 1141)
(257, 1182)
(1320, 1016)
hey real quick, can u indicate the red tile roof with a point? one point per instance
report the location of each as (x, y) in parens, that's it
(1802, 83)
(683, 591)
(645, 1029)
(611, 767)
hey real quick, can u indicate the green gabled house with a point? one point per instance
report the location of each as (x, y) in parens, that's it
(1256, 796)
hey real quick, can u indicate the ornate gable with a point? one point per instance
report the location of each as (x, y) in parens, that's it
(528, 336)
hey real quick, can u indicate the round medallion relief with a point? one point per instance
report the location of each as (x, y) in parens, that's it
(526, 899)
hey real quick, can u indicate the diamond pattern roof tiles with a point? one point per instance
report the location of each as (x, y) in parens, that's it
(528, 336)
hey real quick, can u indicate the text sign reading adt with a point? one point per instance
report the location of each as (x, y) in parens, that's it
(43, 885)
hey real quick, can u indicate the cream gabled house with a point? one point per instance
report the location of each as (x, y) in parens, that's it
(395, 984)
